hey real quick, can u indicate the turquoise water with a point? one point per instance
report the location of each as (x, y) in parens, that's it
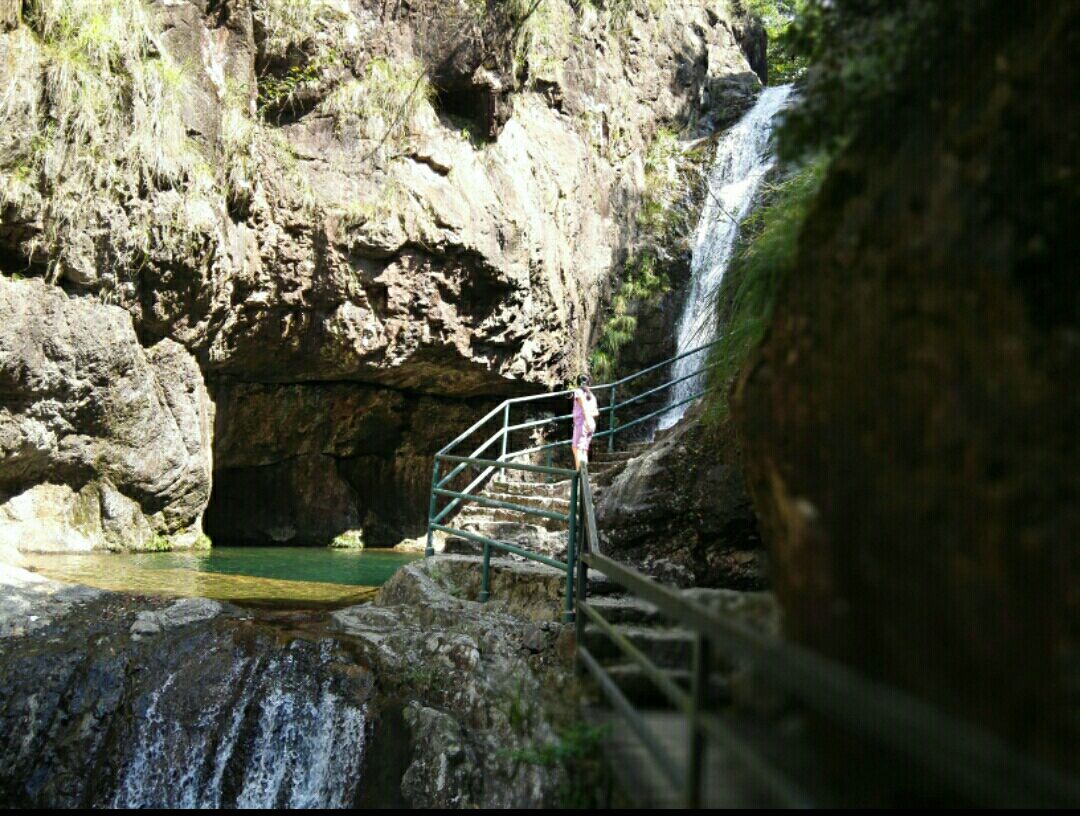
(278, 575)
(356, 568)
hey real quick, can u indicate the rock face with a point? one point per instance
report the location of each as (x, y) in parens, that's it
(303, 464)
(269, 719)
(104, 444)
(485, 689)
(427, 198)
(423, 699)
(681, 510)
(911, 419)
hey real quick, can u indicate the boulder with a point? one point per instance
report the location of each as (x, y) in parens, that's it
(681, 512)
(485, 690)
(182, 613)
(103, 444)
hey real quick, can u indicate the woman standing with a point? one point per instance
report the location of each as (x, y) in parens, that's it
(586, 411)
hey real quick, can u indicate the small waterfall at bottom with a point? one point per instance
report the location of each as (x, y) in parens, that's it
(741, 162)
(277, 729)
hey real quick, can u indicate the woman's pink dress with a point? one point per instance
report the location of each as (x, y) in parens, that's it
(582, 435)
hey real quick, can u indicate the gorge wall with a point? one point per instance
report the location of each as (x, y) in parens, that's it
(910, 420)
(363, 221)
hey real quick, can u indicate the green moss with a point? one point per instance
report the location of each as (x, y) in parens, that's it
(158, 543)
(767, 255)
(664, 222)
(577, 752)
(349, 540)
(643, 284)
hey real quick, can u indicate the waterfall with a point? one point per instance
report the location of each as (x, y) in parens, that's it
(270, 732)
(741, 161)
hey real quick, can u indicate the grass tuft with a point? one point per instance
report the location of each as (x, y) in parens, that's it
(746, 299)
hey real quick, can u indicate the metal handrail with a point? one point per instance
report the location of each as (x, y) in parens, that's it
(441, 483)
(970, 761)
(566, 393)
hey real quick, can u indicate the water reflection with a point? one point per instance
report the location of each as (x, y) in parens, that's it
(271, 575)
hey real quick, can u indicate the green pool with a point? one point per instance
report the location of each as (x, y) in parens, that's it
(271, 575)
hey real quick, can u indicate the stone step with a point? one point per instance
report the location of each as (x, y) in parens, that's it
(478, 513)
(643, 692)
(557, 504)
(499, 488)
(626, 609)
(529, 477)
(515, 530)
(667, 648)
(610, 457)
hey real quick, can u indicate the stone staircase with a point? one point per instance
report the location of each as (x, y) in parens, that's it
(545, 536)
(670, 647)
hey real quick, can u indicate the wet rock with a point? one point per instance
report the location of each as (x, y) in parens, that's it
(104, 445)
(681, 510)
(181, 613)
(91, 716)
(29, 602)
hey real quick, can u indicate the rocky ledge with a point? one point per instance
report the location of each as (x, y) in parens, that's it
(423, 698)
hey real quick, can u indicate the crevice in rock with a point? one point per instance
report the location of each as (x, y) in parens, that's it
(473, 108)
(15, 262)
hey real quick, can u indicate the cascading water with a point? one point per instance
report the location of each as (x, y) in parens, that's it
(742, 160)
(270, 733)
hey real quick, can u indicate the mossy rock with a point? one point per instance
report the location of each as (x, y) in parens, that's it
(349, 540)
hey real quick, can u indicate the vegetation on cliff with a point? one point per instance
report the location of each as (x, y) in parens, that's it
(765, 257)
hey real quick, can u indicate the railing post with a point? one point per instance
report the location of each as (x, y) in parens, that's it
(506, 424)
(485, 577)
(568, 614)
(429, 550)
(611, 421)
(699, 691)
(548, 460)
(582, 586)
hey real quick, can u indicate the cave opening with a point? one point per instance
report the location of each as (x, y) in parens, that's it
(319, 464)
(472, 108)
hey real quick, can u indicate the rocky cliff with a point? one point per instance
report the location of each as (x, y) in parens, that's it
(104, 444)
(910, 421)
(345, 206)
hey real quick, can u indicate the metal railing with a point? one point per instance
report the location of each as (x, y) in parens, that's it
(478, 466)
(972, 764)
(969, 762)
